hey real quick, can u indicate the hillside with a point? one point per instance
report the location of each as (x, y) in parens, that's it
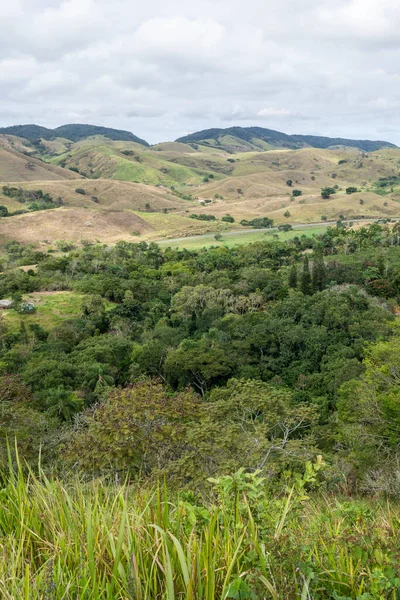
(15, 166)
(167, 183)
(241, 139)
(73, 132)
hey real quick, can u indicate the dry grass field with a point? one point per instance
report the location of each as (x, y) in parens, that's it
(135, 192)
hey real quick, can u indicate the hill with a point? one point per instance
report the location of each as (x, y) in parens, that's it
(15, 166)
(74, 132)
(234, 139)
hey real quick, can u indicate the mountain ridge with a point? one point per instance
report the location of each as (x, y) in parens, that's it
(71, 131)
(252, 136)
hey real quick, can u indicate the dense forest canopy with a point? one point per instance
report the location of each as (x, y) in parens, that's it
(196, 363)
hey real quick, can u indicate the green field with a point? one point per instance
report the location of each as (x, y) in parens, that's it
(52, 308)
(234, 238)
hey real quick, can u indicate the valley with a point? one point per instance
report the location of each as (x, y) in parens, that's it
(114, 189)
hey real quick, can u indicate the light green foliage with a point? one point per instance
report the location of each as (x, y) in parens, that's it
(104, 542)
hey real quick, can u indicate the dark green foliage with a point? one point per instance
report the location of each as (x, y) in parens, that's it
(281, 140)
(228, 219)
(293, 277)
(73, 132)
(327, 192)
(203, 217)
(351, 190)
(318, 272)
(305, 280)
(3, 211)
(296, 193)
(258, 222)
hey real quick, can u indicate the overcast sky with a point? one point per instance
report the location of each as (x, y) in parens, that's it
(164, 68)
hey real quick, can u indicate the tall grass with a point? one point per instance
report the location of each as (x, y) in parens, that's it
(98, 541)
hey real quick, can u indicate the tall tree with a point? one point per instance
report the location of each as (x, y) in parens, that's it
(293, 277)
(318, 272)
(305, 282)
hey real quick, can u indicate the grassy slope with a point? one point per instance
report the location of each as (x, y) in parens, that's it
(52, 308)
(61, 539)
(233, 238)
(246, 184)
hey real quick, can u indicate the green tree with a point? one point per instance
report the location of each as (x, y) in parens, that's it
(293, 277)
(305, 280)
(318, 272)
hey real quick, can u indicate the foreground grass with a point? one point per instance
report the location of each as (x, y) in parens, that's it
(96, 541)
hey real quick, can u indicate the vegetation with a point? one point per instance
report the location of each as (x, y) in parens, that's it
(198, 424)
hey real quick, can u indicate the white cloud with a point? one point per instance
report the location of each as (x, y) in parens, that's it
(162, 68)
(269, 111)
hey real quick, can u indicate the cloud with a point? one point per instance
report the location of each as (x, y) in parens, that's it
(164, 68)
(273, 112)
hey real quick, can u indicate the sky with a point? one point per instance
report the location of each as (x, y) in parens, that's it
(165, 68)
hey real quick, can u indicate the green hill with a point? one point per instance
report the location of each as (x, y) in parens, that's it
(242, 139)
(74, 132)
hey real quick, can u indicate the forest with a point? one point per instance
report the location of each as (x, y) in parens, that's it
(258, 385)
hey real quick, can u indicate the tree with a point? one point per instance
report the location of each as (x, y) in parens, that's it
(140, 429)
(293, 277)
(318, 272)
(305, 281)
(228, 219)
(297, 193)
(61, 403)
(351, 190)
(286, 214)
(3, 211)
(200, 363)
(327, 192)
(289, 182)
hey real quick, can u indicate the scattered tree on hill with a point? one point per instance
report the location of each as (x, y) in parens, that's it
(285, 227)
(3, 211)
(327, 192)
(351, 190)
(80, 191)
(258, 222)
(289, 182)
(203, 217)
(286, 214)
(297, 193)
(228, 219)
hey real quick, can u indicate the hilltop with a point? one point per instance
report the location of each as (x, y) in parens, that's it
(242, 139)
(74, 132)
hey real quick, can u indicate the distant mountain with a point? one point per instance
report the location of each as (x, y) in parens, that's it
(73, 132)
(242, 139)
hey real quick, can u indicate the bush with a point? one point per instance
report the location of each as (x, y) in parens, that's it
(80, 191)
(228, 219)
(327, 192)
(351, 190)
(296, 193)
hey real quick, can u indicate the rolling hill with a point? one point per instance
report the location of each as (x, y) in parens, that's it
(73, 132)
(112, 189)
(242, 139)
